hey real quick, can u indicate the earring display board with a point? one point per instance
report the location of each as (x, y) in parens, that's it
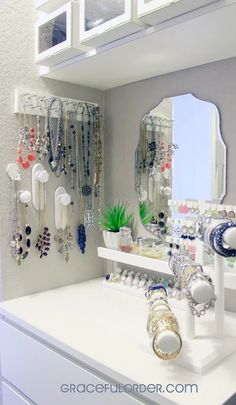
(155, 11)
(104, 21)
(57, 35)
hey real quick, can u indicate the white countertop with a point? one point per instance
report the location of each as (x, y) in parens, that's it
(107, 330)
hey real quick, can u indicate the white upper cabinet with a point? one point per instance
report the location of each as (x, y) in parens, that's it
(57, 35)
(48, 6)
(103, 21)
(155, 11)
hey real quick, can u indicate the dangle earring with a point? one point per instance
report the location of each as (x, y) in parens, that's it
(40, 178)
(20, 243)
(63, 237)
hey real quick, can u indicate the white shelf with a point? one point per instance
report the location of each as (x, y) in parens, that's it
(160, 266)
(182, 42)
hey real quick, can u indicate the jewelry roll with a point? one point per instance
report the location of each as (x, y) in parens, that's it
(162, 325)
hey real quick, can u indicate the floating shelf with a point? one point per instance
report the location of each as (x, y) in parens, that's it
(182, 42)
(159, 266)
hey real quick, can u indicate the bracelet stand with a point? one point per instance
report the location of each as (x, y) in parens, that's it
(199, 354)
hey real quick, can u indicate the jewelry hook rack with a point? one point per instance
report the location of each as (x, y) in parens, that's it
(27, 102)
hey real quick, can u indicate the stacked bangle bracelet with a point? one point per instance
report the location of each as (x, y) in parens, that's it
(162, 325)
(196, 285)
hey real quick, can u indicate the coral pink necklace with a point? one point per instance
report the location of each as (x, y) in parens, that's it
(27, 142)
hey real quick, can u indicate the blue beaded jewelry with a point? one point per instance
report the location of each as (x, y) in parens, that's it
(157, 287)
(216, 239)
(81, 238)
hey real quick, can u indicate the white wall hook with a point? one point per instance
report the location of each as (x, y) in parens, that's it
(65, 199)
(39, 179)
(13, 171)
(62, 200)
(25, 197)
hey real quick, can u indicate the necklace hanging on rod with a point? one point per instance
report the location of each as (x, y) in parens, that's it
(55, 147)
(73, 159)
(41, 139)
(98, 158)
(86, 154)
(26, 145)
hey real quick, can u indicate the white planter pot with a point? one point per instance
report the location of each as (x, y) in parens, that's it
(111, 239)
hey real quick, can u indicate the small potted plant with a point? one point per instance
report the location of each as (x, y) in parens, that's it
(112, 218)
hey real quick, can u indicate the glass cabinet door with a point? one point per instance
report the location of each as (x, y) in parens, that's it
(57, 35)
(155, 11)
(103, 21)
(52, 33)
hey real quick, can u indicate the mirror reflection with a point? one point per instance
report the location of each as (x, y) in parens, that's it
(180, 156)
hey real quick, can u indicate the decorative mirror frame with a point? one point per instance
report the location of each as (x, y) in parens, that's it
(221, 140)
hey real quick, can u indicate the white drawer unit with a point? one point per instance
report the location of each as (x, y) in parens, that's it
(45, 376)
(12, 397)
(155, 11)
(103, 21)
(57, 35)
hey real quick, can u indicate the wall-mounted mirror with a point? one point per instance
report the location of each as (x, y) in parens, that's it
(180, 155)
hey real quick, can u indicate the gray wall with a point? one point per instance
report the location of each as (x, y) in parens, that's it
(17, 69)
(126, 105)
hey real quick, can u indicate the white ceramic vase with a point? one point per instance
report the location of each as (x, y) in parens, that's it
(111, 239)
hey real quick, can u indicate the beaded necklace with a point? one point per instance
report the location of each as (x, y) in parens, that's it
(55, 147)
(43, 239)
(41, 140)
(26, 145)
(86, 160)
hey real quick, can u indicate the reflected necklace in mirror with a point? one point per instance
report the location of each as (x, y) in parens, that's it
(55, 148)
(21, 231)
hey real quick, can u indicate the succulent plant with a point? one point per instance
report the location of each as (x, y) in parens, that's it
(114, 217)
